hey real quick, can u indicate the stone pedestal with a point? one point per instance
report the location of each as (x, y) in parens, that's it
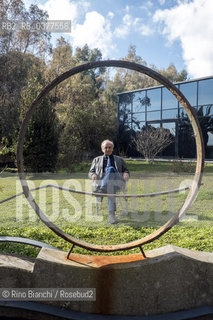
(170, 279)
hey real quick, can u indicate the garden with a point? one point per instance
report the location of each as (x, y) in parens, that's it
(77, 215)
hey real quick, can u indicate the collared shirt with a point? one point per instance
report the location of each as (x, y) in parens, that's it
(105, 161)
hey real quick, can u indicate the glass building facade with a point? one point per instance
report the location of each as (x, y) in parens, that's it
(157, 107)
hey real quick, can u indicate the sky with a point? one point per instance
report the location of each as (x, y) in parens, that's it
(163, 31)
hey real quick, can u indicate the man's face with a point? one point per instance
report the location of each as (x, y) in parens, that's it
(107, 149)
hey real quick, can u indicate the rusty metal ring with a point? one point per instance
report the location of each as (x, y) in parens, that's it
(199, 146)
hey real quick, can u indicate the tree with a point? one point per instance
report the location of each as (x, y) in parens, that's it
(41, 142)
(16, 60)
(61, 57)
(131, 79)
(11, 10)
(88, 121)
(85, 114)
(25, 40)
(15, 67)
(41, 139)
(150, 141)
(128, 80)
(62, 60)
(172, 74)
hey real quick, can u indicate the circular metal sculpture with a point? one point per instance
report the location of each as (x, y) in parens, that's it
(199, 145)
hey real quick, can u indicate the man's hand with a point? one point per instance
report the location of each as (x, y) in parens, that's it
(125, 176)
(94, 176)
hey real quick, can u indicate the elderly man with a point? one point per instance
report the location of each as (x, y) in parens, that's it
(109, 172)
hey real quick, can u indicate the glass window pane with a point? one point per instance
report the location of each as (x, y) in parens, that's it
(190, 92)
(171, 126)
(170, 114)
(204, 111)
(139, 116)
(183, 113)
(153, 115)
(139, 101)
(155, 125)
(210, 139)
(124, 102)
(205, 91)
(124, 107)
(124, 116)
(129, 117)
(154, 99)
(138, 126)
(169, 101)
(170, 150)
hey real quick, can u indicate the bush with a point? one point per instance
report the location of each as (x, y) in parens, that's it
(150, 141)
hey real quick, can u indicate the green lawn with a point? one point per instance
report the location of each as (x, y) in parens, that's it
(76, 214)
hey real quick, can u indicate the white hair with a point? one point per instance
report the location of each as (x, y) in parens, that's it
(105, 141)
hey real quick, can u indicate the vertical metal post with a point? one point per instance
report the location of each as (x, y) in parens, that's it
(69, 253)
(143, 253)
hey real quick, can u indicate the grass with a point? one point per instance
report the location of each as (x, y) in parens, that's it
(76, 214)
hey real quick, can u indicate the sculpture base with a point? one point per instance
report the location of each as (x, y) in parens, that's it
(170, 279)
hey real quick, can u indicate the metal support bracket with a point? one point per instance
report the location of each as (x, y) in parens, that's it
(143, 253)
(69, 253)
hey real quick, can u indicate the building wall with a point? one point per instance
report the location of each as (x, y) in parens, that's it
(159, 108)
